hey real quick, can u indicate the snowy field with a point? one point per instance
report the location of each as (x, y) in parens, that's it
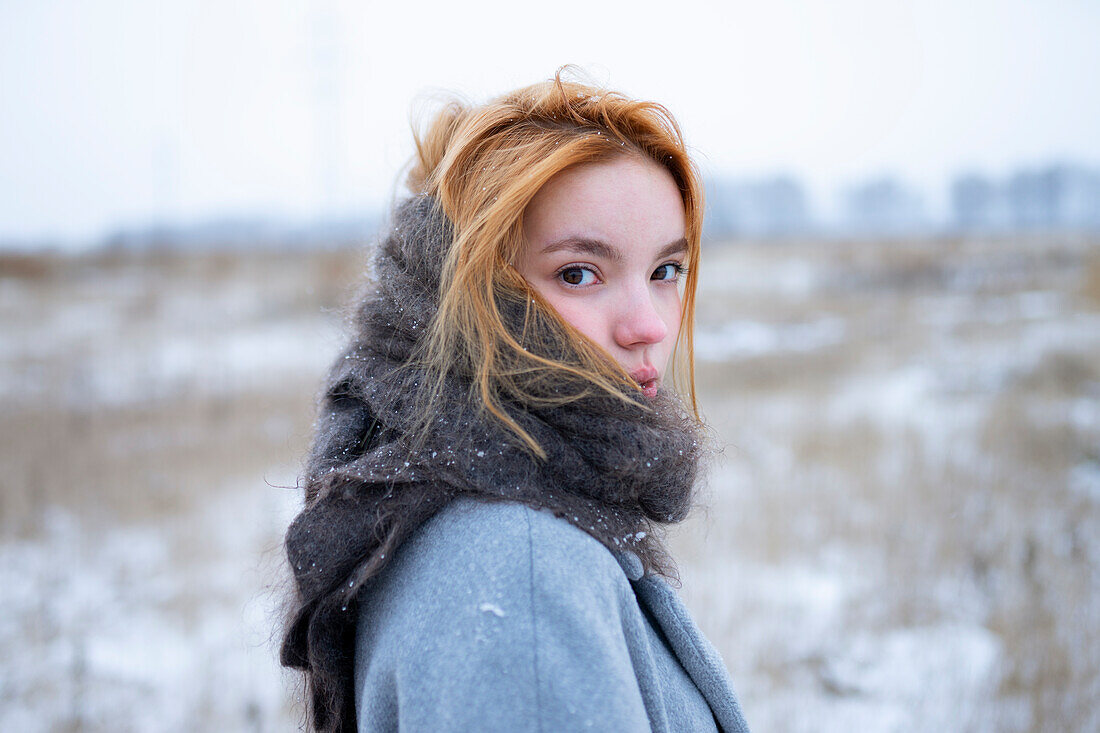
(902, 532)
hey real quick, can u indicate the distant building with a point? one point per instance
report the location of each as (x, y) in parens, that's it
(1058, 196)
(770, 207)
(1055, 196)
(1033, 199)
(978, 204)
(884, 206)
(1052, 197)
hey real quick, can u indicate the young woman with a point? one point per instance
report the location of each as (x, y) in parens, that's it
(500, 444)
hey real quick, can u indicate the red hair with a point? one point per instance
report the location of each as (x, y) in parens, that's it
(484, 164)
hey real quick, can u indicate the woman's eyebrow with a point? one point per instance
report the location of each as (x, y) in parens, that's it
(585, 245)
(680, 245)
(599, 248)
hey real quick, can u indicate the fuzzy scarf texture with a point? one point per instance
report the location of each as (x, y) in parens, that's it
(616, 469)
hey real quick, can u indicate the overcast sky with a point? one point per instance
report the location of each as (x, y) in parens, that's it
(122, 112)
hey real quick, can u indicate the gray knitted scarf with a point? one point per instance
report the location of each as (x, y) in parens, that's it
(613, 468)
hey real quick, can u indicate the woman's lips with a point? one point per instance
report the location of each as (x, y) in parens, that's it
(647, 379)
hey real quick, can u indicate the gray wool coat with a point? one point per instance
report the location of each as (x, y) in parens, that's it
(499, 617)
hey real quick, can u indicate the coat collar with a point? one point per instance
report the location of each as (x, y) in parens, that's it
(631, 564)
(698, 656)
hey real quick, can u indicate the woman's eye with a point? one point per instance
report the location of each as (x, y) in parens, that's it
(577, 276)
(667, 271)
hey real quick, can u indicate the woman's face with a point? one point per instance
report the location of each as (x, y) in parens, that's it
(605, 246)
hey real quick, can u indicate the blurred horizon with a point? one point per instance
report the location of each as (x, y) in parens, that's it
(1058, 198)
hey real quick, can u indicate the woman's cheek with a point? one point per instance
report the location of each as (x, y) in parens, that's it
(583, 316)
(672, 310)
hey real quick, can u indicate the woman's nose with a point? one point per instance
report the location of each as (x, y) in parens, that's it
(638, 321)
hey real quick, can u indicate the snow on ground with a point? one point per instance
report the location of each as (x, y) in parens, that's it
(900, 535)
(736, 338)
(158, 626)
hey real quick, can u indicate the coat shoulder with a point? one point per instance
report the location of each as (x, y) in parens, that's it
(495, 612)
(472, 538)
(478, 556)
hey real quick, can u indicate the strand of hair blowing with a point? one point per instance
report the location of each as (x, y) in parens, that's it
(615, 466)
